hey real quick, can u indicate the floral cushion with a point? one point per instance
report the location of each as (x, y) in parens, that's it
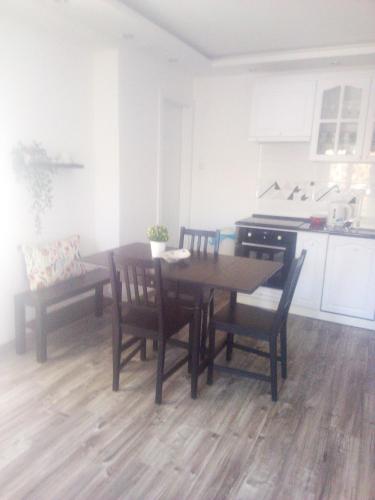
(48, 264)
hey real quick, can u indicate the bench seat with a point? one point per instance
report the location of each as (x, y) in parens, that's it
(47, 321)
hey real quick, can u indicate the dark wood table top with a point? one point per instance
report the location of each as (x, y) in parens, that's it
(222, 272)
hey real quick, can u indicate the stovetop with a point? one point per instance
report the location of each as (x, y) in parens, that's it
(300, 224)
(271, 221)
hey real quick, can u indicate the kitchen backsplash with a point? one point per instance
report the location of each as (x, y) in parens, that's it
(290, 184)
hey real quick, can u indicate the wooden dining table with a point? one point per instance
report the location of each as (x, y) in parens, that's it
(205, 272)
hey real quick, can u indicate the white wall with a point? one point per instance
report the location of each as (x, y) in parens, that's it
(101, 108)
(106, 148)
(144, 80)
(45, 95)
(225, 161)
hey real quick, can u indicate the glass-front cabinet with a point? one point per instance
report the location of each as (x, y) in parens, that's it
(340, 120)
(369, 148)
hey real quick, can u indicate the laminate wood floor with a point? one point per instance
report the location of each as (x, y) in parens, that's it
(65, 435)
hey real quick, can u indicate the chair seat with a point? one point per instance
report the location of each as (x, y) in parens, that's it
(245, 320)
(175, 318)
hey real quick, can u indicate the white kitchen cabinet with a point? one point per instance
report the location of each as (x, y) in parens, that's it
(340, 119)
(349, 281)
(282, 110)
(308, 293)
(369, 147)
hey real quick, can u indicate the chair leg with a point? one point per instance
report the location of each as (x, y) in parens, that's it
(273, 364)
(211, 354)
(211, 307)
(191, 333)
(204, 331)
(284, 351)
(116, 355)
(20, 326)
(154, 345)
(143, 350)
(160, 371)
(229, 346)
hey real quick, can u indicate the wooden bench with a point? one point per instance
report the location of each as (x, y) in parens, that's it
(47, 321)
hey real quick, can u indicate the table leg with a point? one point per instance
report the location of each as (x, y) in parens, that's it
(196, 347)
(204, 332)
(232, 302)
(41, 334)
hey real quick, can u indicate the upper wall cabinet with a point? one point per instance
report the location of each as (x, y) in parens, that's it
(340, 119)
(282, 110)
(369, 146)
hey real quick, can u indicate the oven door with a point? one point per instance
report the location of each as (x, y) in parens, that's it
(268, 244)
(268, 252)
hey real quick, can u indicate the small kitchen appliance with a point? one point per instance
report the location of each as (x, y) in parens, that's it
(339, 214)
(318, 221)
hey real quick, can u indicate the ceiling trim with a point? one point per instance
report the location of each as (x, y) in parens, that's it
(293, 56)
(250, 60)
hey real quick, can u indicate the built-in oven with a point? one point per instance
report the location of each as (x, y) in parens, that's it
(268, 244)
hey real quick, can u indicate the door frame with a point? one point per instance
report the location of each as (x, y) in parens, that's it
(186, 176)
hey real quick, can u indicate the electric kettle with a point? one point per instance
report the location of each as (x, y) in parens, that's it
(339, 213)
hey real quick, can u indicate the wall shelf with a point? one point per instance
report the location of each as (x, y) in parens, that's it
(54, 165)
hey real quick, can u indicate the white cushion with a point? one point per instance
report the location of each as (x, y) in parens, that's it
(50, 263)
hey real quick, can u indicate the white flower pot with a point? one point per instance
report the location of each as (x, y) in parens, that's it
(157, 248)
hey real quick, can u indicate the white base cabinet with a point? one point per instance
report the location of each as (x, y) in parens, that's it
(309, 289)
(337, 282)
(349, 283)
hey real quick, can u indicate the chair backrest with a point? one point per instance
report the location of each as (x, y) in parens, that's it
(143, 285)
(288, 292)
(199, 240)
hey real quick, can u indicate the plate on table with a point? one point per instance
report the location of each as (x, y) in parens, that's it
(171, 256)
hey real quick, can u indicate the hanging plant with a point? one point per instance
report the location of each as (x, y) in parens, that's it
(35, 169)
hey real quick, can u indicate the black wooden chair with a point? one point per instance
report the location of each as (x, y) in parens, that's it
(146, 314)
(197, 240)
(262, 324)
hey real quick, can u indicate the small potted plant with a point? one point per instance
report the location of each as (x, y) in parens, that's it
(158, 236)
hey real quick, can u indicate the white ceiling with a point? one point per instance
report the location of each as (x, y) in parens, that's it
(217, 36)
(103, 23)
(222, 28)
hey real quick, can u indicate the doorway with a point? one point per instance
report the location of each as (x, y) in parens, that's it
(174, 168)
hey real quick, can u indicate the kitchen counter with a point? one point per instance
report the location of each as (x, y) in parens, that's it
(359, 232)
(300, 224)
(337, 282)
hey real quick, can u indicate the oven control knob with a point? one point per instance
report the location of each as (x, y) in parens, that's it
(249, 234)
(279, 238)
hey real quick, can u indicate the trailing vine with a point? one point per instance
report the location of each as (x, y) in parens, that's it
(35, 169)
